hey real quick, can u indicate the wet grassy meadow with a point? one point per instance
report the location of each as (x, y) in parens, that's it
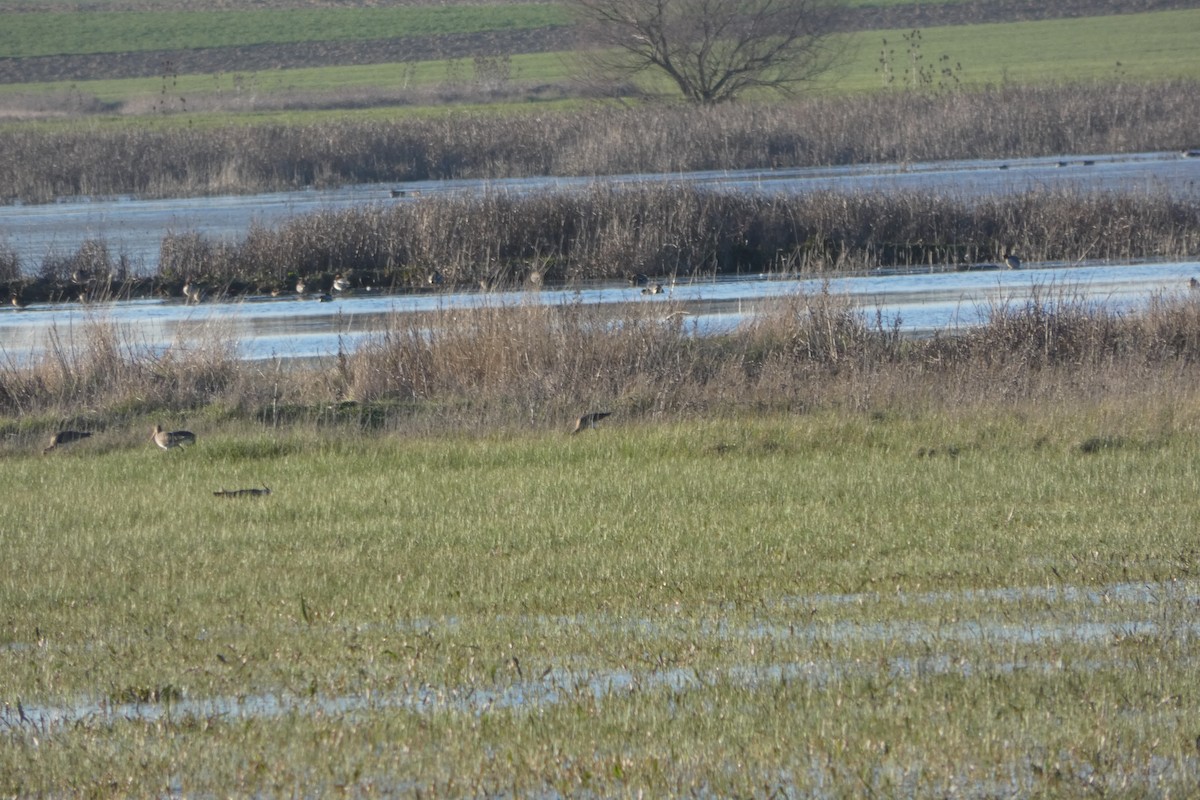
(821, 604)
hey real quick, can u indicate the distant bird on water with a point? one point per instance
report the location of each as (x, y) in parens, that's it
(1010, 259)
(168, 439)
(590, 419)
(64, 438)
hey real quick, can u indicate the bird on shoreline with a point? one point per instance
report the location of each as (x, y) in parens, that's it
(16, 301)
(192, 293)
(340, 283)
(589, 420)
(168, 439)
(1010, 259)
(301, 286)
(654, 288)
(64, 438)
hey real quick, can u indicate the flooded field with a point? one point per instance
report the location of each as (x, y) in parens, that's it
(290, 328)
(1071, 631)
(135, 228)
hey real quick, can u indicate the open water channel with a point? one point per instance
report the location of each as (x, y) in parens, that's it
(919, 302)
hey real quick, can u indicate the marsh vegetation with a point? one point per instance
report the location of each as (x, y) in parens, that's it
(811, 557)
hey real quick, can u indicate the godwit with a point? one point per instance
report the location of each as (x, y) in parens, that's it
(192, 293)
(589, 420)
(65, 437)
(166, 440)
(341, 283)
(1010, 260)
(301, 286)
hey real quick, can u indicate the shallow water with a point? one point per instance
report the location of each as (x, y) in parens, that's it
(265, 328)
(1139, 612)
(135, 228)
(287, 328)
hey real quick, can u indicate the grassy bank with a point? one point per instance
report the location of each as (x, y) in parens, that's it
(821, 603)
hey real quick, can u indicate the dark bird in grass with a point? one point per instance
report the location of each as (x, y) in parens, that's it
(65, 438)
(168, 439)
(590, 419)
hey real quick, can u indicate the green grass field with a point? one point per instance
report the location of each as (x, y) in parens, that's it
(820, 603)
(41, 34)
(1134, 47)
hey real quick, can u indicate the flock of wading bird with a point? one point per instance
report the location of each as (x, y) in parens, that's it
(168, 440)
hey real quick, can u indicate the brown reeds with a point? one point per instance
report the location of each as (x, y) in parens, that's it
(681, 231)
(536, 366)
(36, 166)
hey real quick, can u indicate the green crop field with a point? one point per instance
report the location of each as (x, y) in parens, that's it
(815, 603)
(41, 34)
(1140, 47)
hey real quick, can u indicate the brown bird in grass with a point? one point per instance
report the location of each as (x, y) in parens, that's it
(65, 437)
(589, 420)
(168, 439)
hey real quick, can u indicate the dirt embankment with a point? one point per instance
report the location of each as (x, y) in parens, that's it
(332, 53)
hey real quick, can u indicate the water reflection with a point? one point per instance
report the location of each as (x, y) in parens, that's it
(286, 328)
(1141, 614)
(135, 228)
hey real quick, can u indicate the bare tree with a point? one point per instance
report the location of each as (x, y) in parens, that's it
(713, 50)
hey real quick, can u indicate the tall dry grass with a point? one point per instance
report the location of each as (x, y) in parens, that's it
(36, 166)
(607, 232)
(532, 366)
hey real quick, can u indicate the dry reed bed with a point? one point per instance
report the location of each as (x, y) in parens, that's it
(609, 232)
(38, 166)
(535, 366)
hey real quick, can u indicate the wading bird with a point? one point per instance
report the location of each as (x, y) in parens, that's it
(590, 419)
(341, 283)
(64, 438)
(1010, 259)
(192, 293)
(301, 286)
(654, 288)
(168, 439)
(16, 301)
